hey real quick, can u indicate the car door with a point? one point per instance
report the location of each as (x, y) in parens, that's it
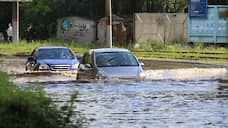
(86, 68)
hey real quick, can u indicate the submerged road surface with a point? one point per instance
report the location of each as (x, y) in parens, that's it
(176, 95)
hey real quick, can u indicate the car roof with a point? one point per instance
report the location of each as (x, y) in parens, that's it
(108, 50)
(51, 47)
(48, 47)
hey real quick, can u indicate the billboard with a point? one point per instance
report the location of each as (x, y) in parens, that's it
(198, 8)
(212, 29)
(15, 0)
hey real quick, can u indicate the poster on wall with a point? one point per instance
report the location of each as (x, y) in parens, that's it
(198, 8)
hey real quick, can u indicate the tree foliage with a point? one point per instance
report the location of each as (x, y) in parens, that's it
(44, 13)
(5, 15)
(31, 108)
(218, 2)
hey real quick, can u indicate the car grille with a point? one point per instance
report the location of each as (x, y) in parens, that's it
(60, 67)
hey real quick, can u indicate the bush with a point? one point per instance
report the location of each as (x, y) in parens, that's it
(30, 108)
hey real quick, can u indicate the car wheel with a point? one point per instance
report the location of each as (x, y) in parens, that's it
(77, 77)
(27, 67)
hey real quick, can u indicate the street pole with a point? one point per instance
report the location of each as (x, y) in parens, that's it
(18, 11)
(108, 23)
(15, 20)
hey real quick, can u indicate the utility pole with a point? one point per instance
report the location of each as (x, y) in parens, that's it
(15, 17)
(108, 4)
(18, 12)
(15, 21)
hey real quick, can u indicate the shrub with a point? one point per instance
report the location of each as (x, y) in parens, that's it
(30, 108)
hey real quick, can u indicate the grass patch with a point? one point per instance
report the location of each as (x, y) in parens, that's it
(26, 48)
(198, 52)
(169, 51)
(197, 48)
(30, 108)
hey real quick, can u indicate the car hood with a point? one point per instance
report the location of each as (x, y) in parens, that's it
(58, 61)
(120, 72)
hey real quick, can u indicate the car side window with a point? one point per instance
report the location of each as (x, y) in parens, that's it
(87, 59)
(84, 59)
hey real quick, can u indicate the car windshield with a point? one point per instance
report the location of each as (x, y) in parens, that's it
(109, 59)
(55, 53)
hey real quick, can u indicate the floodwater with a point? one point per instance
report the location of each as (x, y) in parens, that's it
(175, 95)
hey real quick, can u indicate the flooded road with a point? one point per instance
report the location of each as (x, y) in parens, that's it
(181, 96)
(15, 66)
(155, 104)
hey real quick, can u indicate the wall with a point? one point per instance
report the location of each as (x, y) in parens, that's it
(76, 28)
(160, 27)
(147, 27)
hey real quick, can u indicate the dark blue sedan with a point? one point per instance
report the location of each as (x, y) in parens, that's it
(52, 59)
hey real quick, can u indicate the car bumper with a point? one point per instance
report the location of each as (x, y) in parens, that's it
(56, 70)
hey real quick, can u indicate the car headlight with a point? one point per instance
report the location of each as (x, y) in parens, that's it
(142, 75)
(101, 75)
(44, 66)
(75, 66)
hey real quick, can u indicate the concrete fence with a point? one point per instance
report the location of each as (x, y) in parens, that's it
(76, 28)
(160, 27)
(144, 28)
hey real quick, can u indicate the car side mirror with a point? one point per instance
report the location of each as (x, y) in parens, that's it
(85, 67)
(88, 66)
(142, 64)
(30, 58)
(79, 57)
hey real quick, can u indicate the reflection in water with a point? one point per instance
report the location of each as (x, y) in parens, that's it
(223, 89)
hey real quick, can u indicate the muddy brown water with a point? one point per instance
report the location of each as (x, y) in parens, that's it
(175, 95)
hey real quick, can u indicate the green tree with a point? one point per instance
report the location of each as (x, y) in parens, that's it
(40, 14)
(31, 108)
(44, 13)
(218, 2)
(5, 15)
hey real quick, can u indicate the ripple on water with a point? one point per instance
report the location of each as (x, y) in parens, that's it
(186, 98)
(159, 104)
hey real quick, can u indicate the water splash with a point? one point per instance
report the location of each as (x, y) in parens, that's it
(161, 71)
(188, 74)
